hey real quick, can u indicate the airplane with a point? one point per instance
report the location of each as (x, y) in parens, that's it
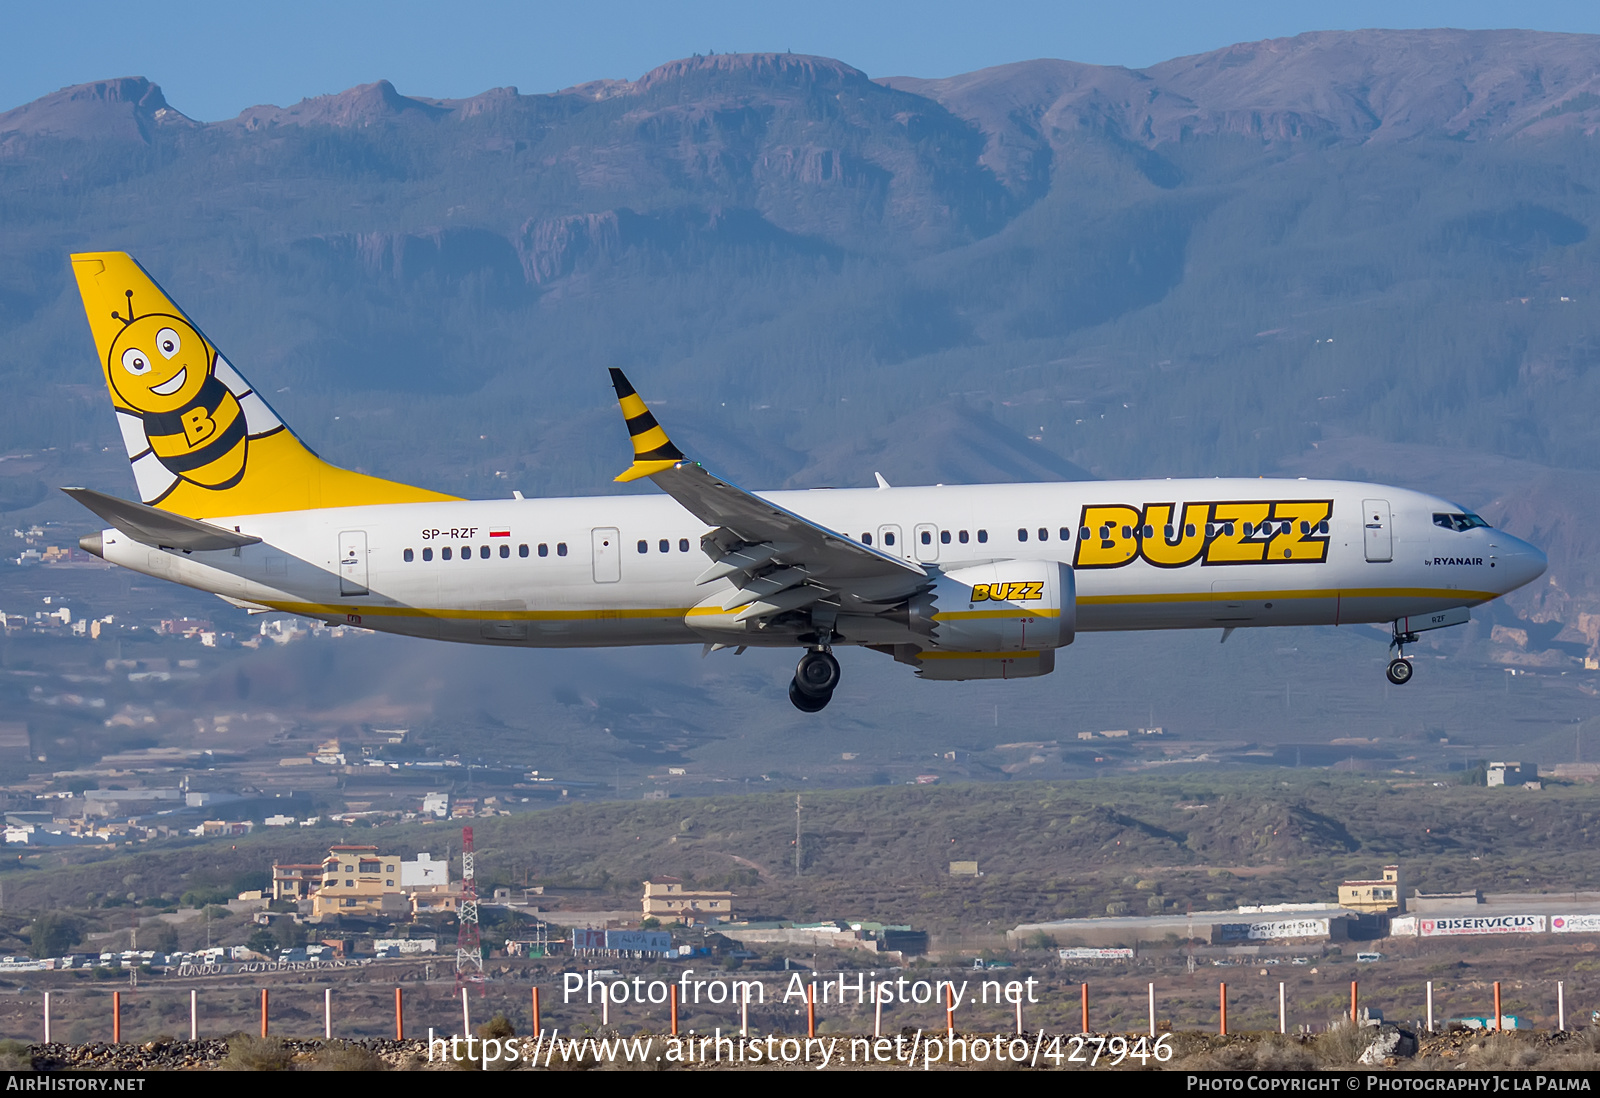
(958, 582)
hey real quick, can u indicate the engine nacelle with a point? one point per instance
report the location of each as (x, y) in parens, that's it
(1006, 606)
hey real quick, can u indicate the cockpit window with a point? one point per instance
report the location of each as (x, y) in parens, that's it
(1457, 522)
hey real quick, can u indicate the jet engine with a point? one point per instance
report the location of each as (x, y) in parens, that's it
(1003, 606)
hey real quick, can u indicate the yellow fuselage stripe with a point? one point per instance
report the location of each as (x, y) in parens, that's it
(676, 612)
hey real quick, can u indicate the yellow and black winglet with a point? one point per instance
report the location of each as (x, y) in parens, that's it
(653, 451)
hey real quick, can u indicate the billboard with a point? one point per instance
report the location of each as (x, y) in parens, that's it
(588, 940)
(639, 941)
(1575, 924)
(1480, 924)
(1277, 928)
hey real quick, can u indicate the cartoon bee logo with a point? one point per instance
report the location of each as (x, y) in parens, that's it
(165, 373)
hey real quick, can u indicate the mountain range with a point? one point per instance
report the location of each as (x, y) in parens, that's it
(1345, 253)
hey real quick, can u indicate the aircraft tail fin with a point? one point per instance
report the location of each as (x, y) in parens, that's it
(201, 440)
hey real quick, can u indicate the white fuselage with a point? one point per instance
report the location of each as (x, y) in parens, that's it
(621, 570)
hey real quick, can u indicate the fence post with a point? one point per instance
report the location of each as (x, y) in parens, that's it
(194, 1015)
(537, 1028)
(116, 1017)
(47, 1017)
(1497, 1006)
(1019, 1017)
(1430, 1006)
(1283, 1012)
(673, 995)
(949, 1011)
(1561, 1007)
(327, 1014)
(1084, 1004)
(744, 1014)
(1222, 999)
(263, 1013)
(399, 1017)
(1354, 1019)
(466, 1015)
(811, 1010)
(1152, 1008)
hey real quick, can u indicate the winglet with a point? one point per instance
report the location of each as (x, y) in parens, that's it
(653, 451)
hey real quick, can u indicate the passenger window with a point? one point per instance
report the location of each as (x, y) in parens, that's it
(1227, 528)
(1248, 530)
(1167, 530)
(927, 537)
(561, 548)
(683, 545)
(962, 537)
(1149, 531)
(1322, 527)
(1305, 527)
(644, 546)
(866, 539)
(1211, 530)
(427, 554)
(1188, 530)
(522, 550)
(1044, 535)
(1066, 533)
(665, 546)
(505, 551)
(1286, 527)
(888, 539)
(483, 552)
(1127, 531)
(1083, 532)
(983, 536)
(444, 554)
(544, 549)
(1022, 535)
(944, 537)
(408, 556)
(466, 552)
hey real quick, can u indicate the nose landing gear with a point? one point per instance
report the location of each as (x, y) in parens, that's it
(1400, 669)
(814, 680)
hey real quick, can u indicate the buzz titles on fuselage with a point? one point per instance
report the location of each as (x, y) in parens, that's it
(1223, 532)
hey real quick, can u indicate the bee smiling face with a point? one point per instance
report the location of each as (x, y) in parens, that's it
(158, 363)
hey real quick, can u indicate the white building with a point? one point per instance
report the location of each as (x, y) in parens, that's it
(424, 872)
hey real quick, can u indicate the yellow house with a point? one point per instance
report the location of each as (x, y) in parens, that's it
(1374, 897)
(666, 896)
(357, 880)
(292, 881)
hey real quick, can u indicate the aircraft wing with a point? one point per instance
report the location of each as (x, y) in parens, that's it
(777, 560)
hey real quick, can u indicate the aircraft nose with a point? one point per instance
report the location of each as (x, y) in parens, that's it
(1523, 563)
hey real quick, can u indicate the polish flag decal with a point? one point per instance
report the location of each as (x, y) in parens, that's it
(499, 533)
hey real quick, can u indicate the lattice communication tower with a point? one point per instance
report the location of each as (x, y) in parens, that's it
(469, 946)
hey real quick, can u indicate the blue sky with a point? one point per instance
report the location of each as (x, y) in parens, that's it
(213, 60)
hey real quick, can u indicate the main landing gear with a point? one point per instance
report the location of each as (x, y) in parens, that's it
(814, 680)
(1399, 669)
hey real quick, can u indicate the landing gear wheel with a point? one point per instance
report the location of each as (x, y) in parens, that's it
(806, 703)
(817, 674)
(1399, 672)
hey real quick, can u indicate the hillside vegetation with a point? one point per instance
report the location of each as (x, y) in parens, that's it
(1045, 849)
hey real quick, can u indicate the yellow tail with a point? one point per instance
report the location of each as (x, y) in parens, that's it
(202, 442)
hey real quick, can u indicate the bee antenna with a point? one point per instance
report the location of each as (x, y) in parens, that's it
(126, 320)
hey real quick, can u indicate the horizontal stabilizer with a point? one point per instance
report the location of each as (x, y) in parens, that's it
(161, 529)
